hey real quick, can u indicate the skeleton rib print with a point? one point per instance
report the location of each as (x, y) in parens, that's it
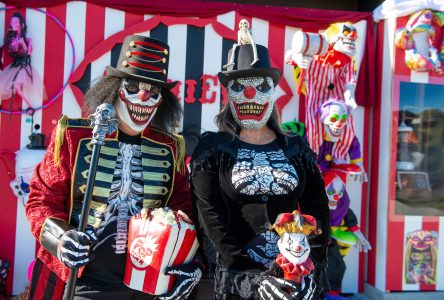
(263, 172)
(126, 195)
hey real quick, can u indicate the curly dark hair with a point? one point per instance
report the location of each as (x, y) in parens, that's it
(105, 90)
(11, 34)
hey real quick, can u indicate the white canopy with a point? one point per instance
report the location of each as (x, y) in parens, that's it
(399, 8)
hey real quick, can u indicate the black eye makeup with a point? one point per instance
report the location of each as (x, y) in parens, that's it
(237, 87)
(131, 86)
(264, 86)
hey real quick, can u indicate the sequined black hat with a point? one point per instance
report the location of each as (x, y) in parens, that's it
(242, 68)
(143, 59)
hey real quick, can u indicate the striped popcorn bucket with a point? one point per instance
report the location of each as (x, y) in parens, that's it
(158, 239)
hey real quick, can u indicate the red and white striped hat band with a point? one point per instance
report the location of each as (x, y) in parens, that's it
(143, 59)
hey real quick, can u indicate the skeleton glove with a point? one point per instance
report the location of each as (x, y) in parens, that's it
(273, 288)
(4, 266)
(187, 276)
(307, 289)
(74, 248)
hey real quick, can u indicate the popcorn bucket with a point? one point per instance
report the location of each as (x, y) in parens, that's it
(158, 239)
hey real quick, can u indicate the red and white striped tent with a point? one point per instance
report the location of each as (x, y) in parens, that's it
(200, 35)
(389, 229)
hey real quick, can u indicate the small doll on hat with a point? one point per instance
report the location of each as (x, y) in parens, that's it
(294, 230)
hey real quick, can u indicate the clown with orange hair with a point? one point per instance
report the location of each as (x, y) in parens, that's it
(331, 75)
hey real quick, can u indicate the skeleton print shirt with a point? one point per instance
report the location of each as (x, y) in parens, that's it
(263, 170)
(125, 200)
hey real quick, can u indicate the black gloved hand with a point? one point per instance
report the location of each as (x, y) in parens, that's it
(273, 288)
(187, 276)
(74, 248)
(4, 266)
(307, 288)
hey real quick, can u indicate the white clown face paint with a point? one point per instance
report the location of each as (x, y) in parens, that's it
(346, 40)
(251, 101)
(335, 122)
(294, 247)
(335, 191)
(138, 103)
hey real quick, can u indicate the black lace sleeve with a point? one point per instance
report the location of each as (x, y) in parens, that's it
(210, 212)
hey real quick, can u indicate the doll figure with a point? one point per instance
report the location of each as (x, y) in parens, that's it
(244, 37)
(417, 41)
(20, 77)
(294, 229)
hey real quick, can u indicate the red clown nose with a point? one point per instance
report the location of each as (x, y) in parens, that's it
(250, 92)
(143, 95)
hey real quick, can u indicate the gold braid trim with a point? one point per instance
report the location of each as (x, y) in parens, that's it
(59, 137)
(179, 142)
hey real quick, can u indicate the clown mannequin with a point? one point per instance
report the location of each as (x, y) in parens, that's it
(344, 228)
(334, 115)
(140, 166)
(331, 75)
(245, 175)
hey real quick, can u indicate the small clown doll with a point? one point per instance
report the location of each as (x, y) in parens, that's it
(294, 229)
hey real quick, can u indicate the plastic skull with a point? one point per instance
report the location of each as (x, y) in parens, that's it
(294, 247)
(334, 115)
(244, 25)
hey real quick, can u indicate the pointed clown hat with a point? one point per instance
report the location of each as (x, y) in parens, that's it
(296, 222)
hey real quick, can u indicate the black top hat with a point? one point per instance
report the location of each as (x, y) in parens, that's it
(143, 59)
(243, 57)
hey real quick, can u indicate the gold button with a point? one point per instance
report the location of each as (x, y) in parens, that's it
(125, 63)
(328, 157)
(128, 54)
(164, 72)
(165, 51)
(164, 60)
(132, 44)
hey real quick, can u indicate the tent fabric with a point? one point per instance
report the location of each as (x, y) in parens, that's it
(309, 19)
(399, 8)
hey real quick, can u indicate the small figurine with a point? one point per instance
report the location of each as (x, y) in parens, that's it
(20, 77)
(417, 40)
(293, 229)
(244, 37)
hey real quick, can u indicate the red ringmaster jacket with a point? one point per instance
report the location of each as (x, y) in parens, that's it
(58, 185)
